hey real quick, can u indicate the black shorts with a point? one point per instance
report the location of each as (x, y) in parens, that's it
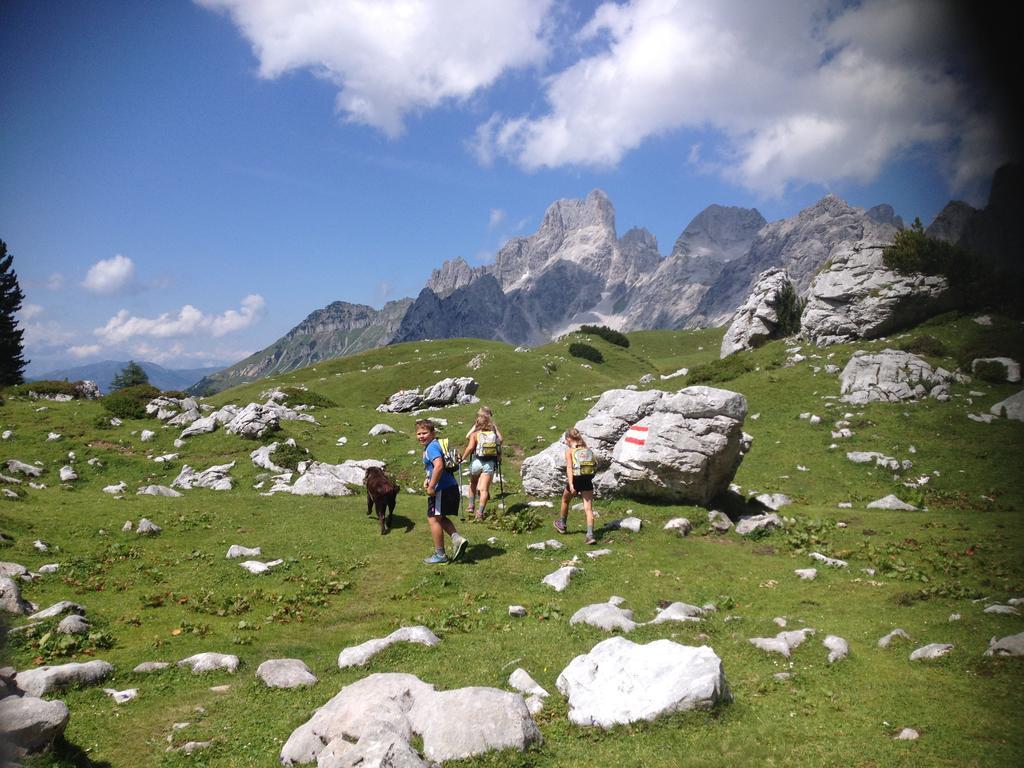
(444, 502)
(582, 483)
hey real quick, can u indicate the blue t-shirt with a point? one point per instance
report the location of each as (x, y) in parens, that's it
(432, 452)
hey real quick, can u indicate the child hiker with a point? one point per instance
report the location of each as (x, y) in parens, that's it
(442, 495)
(579, 472)
(484, 444)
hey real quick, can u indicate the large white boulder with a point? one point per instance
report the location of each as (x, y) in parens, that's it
(452, 391)
(320, 479)
(1010, 408)
(254, 421)
(621, 682)
(42, 680)
(888, 376)
(358, 655)
(756, 321)
(30, 724)
(856, 297)
(388, 709)
(216, 478)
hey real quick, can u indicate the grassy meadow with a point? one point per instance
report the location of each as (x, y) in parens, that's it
(341, 583)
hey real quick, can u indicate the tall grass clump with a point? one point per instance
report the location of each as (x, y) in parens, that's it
(130, 402)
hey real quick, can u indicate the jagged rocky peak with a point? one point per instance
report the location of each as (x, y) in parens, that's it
(638, 255)
(343, 316)
(885, 214)
(453, 274)
(952, 221)
(595, 210)
(720, 232)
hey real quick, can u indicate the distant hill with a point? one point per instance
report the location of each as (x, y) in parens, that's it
(103, 373)
(336, 330)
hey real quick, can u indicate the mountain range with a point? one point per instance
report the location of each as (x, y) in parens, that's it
(103, 374)
(575, 270)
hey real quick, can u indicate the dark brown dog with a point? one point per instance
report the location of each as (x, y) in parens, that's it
(381, 493)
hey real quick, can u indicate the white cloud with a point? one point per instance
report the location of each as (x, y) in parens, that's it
(30, 311)
(795, 92)
(109, 276)
(497, 216)
(188, 321)
(82, 351)
(55, 282)
(392, 57)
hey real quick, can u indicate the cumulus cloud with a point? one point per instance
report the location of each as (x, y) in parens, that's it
(30, 311)
(497, 217)
(109, 276)
(82, 351)
(188, 321)
(791, 92)
(392, 57)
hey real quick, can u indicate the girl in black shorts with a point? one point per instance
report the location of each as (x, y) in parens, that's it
(580, 467)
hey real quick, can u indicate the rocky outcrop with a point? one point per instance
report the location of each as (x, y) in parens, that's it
(29, 724)
(891, 376)
(757, 321)
(856, 297)
(682, 447)
(451, 391)
(319, 479)
(621, 682)
(373, 721)
(43, 680)
(216, 478)
(721, 233)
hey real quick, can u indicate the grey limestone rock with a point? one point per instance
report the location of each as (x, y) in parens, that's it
(931, 651)
(1011, 645)
(43, 680)
(559, 580)
(678, 612)
(147, 527)
(605, 616)
(210, 662)
(285, 673)
(888, 376)
(199, 426)
(58, 609)
(150, 666)
(754, 523)
(831, 561)
(359, 655)
(1012, 367)
(837, 647)
(806, 574)
(886, 640)
(73, 625)
(784, 642)
(620, 682)
(157, 490)
(451, 391)
(679, 524)
(1010, 408)
(237, 550)
(30, 724)
(254, 421)
(891, 502)
(719, 521)
(10, 598)
(757, 321)
(320, 479)
(68, 474)
(13, 465)
(215, 478)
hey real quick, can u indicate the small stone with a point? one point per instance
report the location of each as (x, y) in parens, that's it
(679, 524)
(120, 697)
(907, 734)
(150, 666)
(516, 610)
(931, 651)
(837, 647)
(954, 617)
(883, 642)
(807, 574)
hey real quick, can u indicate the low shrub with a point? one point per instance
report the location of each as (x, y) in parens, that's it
(130, 402)
(585, 351)
(719, 371)
(298, 396)
(789, 307)
(608, 334)
(45, 388)
(289, 456)
(926, 345)
(991, 371)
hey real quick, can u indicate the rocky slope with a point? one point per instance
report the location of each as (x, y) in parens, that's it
(336, 330)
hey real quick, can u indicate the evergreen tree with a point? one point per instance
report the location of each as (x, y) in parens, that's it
(130, 376)
(11, 362)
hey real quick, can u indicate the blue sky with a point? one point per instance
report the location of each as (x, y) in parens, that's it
(184, 182)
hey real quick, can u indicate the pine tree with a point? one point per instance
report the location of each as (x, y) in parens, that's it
(130, 376)
(11, 346)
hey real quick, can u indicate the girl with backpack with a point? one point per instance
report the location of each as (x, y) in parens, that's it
(580, 466)
(484, 445)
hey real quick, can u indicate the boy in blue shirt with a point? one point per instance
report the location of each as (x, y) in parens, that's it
(442, 495)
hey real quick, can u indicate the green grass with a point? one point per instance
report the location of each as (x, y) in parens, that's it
(342, 583)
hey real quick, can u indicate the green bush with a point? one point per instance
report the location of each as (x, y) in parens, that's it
(289, 456)
(608, 334)
(991, 371)
(130, 402)
(45, 387)
(788, 308)
(298, 396)
(926, 345)
(719, 371)
(587, 352)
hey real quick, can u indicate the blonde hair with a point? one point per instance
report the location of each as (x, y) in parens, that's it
(483, 420)
(427, 423)
(573, 436)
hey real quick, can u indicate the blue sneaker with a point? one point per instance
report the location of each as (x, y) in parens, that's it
(435, 559)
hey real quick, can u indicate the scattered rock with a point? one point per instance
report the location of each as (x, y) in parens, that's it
(383, 711)
(237, 550)
(257, 567)
(832, 561)
(1011, 645)
(210, 662)
(756, 320)
(783, 642)
(559, 580)
(1012, 367)
(719, 521)
(120, 697)
(678, 612)
(319, 479)
(754, 523)
(620, 682)
(605, 616)
(13, 465)
(285, 673)
(359, 655)
(1010, 408)
(68, 474)
(151, 666)
(837, 647)
(58, 609)
(889, 376)
(627, 524)
(215, 478)
(147, 527)
(890, 502)
(883, 642)
(146, 435)
(158, 490)
(549, 544)
(30, 724)
(43, 680)
(1002, 609)
(931, 651)
(254, 421)
(73, 625)
(907, 734)
(807, 574)
(680, 524)
(452, 391)
(517, 610)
